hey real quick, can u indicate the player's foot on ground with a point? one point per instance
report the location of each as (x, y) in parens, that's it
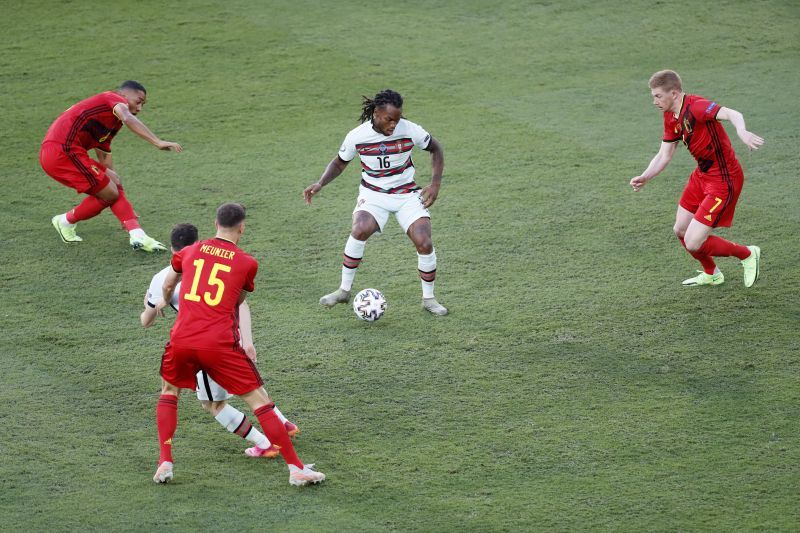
(291, 429)
(705, 279)
(432, 306)
(269, 453)
(751, 266)
(66, 232)
(339, 296)
(164, 473)
(305, 476)
(146, 244)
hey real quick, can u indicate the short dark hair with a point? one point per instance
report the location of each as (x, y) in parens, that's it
(230, 215)
(133, 85)
(385, 97)
(183, 235)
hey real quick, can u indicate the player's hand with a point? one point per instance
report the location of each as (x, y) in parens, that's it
(250, 350)
(166, 145)
(751, 140)
(310, 191)
(638, 182)
(113, 176)
(160, 307)
(429, 195)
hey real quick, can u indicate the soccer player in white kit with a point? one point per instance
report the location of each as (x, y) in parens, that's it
(209, 392)
(383, 142)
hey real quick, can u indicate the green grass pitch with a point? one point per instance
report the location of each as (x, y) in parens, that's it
(575, 385)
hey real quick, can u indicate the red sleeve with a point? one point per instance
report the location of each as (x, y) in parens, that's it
(671, 133)
(177, 261)
(250, 281)
(704, 110)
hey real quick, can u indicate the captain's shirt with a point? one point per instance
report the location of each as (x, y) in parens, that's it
(386, 163)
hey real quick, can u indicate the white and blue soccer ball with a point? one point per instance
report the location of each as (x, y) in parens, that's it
(369, 305)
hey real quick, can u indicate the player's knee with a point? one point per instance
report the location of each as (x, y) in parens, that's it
(693, 245)
(424, 246)
(168, 388)
(109, 194)
(360, 231)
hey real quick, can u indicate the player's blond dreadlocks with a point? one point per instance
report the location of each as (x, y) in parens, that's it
(385, 97)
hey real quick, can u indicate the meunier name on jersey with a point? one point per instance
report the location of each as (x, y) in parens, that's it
(218, 252)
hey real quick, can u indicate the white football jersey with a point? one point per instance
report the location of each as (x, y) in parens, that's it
(155, 291)
(386, 164)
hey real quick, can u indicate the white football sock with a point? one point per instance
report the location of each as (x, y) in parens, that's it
(64, 222)
(137, 233)
(426, 264)
(231, 418)
(353, 253)
(280, 415)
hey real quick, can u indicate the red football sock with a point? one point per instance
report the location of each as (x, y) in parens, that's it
(709, 266)
(719, 247)
(276, 433)
(167, 421)
(124, 212)
(88, 208)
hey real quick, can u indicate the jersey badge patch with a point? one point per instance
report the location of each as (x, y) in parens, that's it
(382, 148)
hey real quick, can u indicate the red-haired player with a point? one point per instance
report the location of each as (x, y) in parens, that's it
(709, 198)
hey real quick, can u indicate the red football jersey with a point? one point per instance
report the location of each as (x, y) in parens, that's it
(215, 272)
(700, 131)
(90, 123)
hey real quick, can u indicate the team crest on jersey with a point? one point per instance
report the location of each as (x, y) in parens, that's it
(382, 148)
(687, 125)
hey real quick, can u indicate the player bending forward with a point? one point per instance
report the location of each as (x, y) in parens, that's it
(205, 337)
(710, 196)
(93, 123)
(383, 142)
(211, 395)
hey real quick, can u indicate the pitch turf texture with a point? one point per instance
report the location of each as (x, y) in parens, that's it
(575, 385)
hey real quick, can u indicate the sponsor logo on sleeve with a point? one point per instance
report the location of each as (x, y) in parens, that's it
(710, 107)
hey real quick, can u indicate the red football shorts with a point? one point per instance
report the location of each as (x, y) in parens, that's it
(712, 196)
(232, 369)
(73, 169)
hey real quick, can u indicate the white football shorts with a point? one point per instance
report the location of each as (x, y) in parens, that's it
(407, 208)
(209, 390)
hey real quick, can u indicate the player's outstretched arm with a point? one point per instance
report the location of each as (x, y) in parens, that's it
(657, 164)
(751, 140)
(246, 330)
(332, 171)
(431, 192)
(138, 127)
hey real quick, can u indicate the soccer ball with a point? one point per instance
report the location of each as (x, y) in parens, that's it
(369, 305)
